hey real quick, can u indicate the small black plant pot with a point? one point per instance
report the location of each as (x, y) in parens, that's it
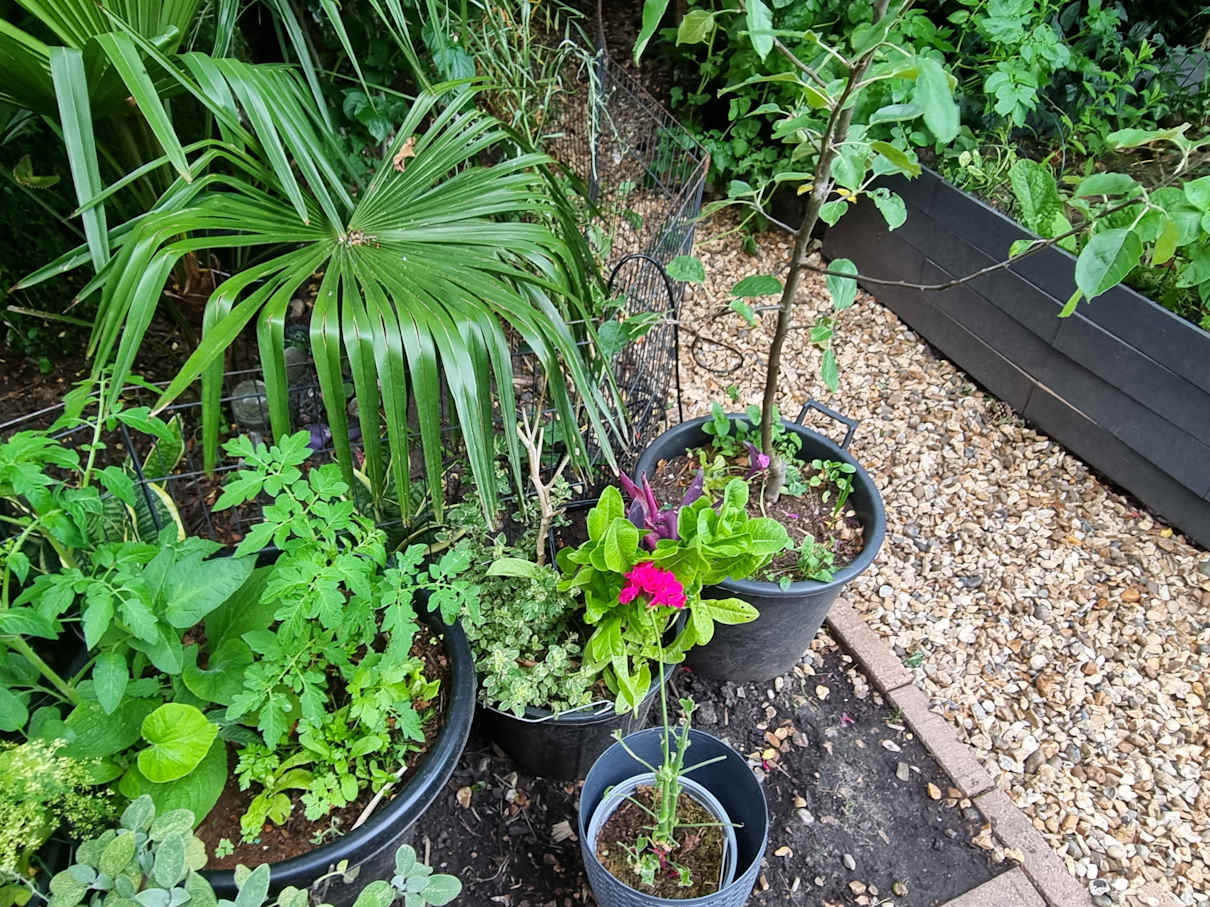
(789, 618)
(731, 783)
(563, 747)
(370, 849)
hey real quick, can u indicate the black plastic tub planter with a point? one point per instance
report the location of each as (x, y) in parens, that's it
(370, 849)
(563, 747)
(789, 618)
(728, 789)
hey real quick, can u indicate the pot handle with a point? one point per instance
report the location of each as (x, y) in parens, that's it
(851, 424)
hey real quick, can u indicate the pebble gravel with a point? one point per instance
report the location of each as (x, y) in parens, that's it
(1063, 630)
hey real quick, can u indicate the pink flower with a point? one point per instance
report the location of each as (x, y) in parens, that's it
(658, 585)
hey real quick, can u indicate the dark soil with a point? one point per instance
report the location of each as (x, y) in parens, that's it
(808, 515)
(700, 849)
(298, 835)
(510, 837)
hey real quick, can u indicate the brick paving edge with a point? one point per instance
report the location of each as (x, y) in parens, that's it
(1043, 868)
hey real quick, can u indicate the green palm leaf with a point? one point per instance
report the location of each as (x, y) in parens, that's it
(424, 278)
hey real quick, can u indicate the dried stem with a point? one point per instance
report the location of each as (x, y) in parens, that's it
(531, 436)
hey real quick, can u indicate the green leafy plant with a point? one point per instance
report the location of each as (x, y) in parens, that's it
(43, 791)
(332, 605)
(835, 477)
(435, 241)
(835, 95)
(712, 544)
(156, 860)
(1123, 225)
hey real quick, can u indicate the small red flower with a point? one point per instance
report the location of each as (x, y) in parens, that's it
(660, 586)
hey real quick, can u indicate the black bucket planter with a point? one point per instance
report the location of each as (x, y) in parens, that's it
(563, 747)
(789, 618)
(371, 848)
(730, 781)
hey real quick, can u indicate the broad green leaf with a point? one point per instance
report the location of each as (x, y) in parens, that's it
(894, 113)
(828, 371)
(109, 678)
(695, 27)
(223, 677)
(744, 311)
(687, 269)
(197, 792)
(194, 587)
(117, 854)
(1106, 184)
(898, 157)
(842, 289)
(653, 12)
(97, 735)
(831, 212)
(1106, 259)
(730, 610)
(756, 285)
(169, 866)
(1038, 195)
(179, 737)
(891, 206)
(1198, 193)
(936, 99)
(1165, 245)
(441, 888)
(760, 27)
(13, 711)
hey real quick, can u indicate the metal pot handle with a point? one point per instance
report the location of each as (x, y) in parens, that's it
(828, 411)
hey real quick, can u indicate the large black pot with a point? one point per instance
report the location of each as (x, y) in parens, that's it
(371, 848)
(789, 618)
(731, 781)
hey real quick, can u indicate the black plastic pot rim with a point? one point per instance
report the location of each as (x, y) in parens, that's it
(841, 577)
(409, 802)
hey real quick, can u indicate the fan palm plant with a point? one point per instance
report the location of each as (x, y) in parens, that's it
(107, 107)
(424, 273)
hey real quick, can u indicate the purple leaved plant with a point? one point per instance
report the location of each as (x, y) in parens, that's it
(757, 462)
(646, 513)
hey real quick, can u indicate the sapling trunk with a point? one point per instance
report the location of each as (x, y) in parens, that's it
(834, 135)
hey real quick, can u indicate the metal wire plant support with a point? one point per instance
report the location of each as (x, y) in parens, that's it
(645, 177)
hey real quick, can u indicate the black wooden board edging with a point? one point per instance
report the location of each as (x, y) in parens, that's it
(1123, 383)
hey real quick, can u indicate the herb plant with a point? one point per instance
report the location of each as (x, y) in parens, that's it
(329, 638)
(155, 861)
(43, 791)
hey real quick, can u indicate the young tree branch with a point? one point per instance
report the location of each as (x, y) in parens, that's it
(834, 133)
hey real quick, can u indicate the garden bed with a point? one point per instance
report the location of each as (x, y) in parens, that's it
(1123, 382)
(842, 822)
(1061, 630)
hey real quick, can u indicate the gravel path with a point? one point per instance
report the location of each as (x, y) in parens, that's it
(1064, 632)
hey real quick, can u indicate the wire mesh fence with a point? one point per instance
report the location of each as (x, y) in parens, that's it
(643, 176)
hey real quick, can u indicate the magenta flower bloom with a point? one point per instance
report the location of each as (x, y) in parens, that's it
(660, 587)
